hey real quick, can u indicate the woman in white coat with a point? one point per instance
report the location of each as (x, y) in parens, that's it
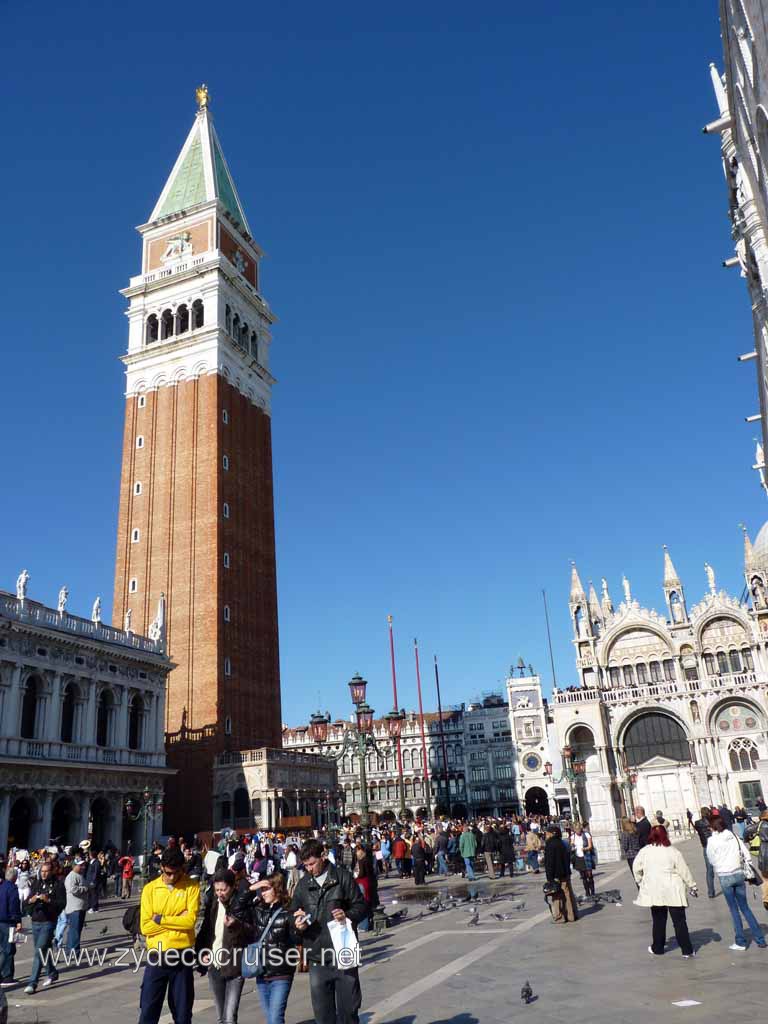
(665, 881)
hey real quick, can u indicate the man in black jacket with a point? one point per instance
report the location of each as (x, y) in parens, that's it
(46, 901)
(327, 893)
(642, 826)
(491, 845)
(557, 866)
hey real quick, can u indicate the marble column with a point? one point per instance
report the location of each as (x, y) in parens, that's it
(89, 736)
(12, 719)
(120, 740)
(41, 829)
(53, 710)
(5, 811)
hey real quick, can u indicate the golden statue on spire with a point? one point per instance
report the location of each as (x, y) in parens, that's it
(202, 96)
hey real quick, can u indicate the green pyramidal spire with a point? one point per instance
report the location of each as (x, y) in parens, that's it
(200, 175)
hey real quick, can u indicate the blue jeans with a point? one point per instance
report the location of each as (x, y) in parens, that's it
(469, 869)
(710, 875)
(7, 952)
(75, 923)
(226, 994)
(61, 927)
(442, 867)
(42, 933)
(532, 857)
(735, 893)
(274, 998)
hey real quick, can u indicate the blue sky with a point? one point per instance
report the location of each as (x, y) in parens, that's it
(505, 339)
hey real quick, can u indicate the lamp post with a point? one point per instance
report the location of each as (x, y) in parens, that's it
(573, 770)
(360, 739)
(147, 809)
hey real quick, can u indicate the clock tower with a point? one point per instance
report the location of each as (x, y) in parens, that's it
(196, 518)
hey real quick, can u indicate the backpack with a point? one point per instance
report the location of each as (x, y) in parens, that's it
(132, 920)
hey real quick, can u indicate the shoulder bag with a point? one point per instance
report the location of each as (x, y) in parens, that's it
(252, 967)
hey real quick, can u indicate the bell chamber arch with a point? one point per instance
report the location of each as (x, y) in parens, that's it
(655, 735)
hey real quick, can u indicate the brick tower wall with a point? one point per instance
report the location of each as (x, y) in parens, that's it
(183, 537)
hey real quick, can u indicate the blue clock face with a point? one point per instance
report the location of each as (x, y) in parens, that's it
(532, 763)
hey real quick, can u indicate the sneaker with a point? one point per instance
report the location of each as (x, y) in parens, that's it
(687, 956)
(29, 990)
(50, 981)
(762, 945)
(650, 950)
(91, 911)
(736, 946)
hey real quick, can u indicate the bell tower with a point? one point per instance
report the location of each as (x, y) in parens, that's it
(196, 518)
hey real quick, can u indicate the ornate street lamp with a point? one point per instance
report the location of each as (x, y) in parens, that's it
(394, 722)
(365, 718)
(358, 739)
(318, 727)
(147, 809)
(357, 687)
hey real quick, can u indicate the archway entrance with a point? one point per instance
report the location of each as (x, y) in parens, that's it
(536, 801)
(62, 822)
(100, 819)
(20, 823)
(459, 810)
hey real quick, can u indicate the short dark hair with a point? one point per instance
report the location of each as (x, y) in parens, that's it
(312, 848)
(224, 875)
(172, 858)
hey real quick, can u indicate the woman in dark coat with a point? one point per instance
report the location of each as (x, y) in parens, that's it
(419, 858)
(219, 944)
(557, 866)
(279, 955)
(507, 851)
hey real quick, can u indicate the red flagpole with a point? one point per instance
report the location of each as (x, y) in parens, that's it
(423, 738)
(395, 705)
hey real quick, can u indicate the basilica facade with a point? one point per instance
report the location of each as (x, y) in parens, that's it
(671, 709)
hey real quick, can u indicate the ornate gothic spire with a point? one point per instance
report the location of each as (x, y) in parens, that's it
(577, 591)
(747, 549)
(594, 605)
(606, 602)
(671, 579)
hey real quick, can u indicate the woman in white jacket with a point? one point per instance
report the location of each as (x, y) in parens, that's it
(731, 861)
(665, 881)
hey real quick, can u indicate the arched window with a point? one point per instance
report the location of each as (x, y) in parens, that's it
(68, 705)
(722, 663)
(29, 706)
(655, 668)
(709, 664)
(242, 803)
(235, 332)
(182, 319)
(742, 755)
(655, 735)
(629, 676)
(642, 674)
(198, 314)
(104, 714)
(135, 722)
(746, 655)
(151, 334)
(417, 788)
(166, 324)
(406, 758)
(614, 674)
(735, 661)
(578, 621)
(244, 334)
(228, 320)
(255, 345)
(669, 670)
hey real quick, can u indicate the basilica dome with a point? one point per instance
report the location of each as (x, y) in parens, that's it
(760, 547)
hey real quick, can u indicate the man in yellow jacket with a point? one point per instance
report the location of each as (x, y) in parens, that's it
(169, 908)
